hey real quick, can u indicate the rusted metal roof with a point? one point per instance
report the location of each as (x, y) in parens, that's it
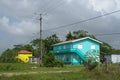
(24, 52)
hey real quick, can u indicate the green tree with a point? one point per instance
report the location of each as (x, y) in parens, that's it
(69, 36)
(50, 61)
(105, 47)
(36, 46)
(9, 56)
(35, 43)
(46, 44)
(49, 41)
(23, 47)
(76, 35)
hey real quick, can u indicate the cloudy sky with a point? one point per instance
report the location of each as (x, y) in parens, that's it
(19, 22)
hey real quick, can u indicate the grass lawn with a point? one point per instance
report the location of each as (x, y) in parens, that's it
(21, 71)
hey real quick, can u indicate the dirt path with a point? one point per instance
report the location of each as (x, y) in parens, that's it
(9, 74)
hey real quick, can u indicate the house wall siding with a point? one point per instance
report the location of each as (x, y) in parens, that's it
(115, 58)
(86, 46)
(62, 47)
(73, 52)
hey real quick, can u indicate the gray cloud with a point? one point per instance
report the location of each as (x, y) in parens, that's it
(18, 21)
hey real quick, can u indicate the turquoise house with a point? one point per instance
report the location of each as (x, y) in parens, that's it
(76, 51)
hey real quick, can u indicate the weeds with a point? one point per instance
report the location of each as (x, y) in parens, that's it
(73, 72)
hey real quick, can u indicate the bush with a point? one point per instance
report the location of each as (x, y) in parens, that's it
(58, 63)
(90, 65)
(91, 61)
(50, 61)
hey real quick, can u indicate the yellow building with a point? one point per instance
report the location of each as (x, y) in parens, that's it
(24, 55)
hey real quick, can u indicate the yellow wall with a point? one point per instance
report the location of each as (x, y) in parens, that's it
(24, 57)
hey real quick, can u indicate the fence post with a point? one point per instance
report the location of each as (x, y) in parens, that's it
(106, 65)
(119, 67)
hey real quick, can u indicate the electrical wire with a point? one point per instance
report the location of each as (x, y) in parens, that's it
(86, 20)
(106, 34)
(50, 6)
(82, 21)
(54, 7)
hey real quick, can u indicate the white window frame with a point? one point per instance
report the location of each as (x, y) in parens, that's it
(80, 46)
(93, 46)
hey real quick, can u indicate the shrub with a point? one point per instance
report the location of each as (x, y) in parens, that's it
(91, 61)
(90, 65)
(50, 61)
(58, 63)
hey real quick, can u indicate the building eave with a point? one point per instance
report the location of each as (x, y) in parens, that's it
(71, 41)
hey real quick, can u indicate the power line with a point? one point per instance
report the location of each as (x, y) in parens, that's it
(45, 5)
(54, 7)
(89, 20)
(82, 21)
(65, 32)
(50, 6)
(107, 34)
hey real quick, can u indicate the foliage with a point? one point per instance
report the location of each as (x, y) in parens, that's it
(91, 61)
(8, 67)
(65, 73)
(50, 61)
(46, 46)
(34, 46)
(105, 47)
(49, 41)
(8, 56)
(90, 65)
(23, 47)
(76, 35)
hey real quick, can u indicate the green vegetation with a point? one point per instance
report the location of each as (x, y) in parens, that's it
(68, 72)
(9, 54)
(50, 61)
(8, 67)
(91, 62)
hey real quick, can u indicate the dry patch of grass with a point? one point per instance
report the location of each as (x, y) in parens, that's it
(58, 73)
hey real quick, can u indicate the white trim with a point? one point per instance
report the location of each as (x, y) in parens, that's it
(93, 46)
(80, 46)
(71, 41)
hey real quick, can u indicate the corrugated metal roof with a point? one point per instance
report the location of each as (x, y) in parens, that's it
(24, 52)
(71, 41)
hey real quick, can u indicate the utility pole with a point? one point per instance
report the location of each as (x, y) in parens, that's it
(40, 38)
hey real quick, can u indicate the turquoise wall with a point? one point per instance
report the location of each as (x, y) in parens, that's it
(62, 47)
(68, 58)
(64, 53)
(87, 45)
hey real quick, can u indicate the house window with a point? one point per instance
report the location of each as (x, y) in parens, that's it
(71, 46)
(58, 57)
(77, 56)
(55, 57)
(59, 47)
(71, 57)
(92, 46)
(80, 46)
(64, 47)
(64, 57)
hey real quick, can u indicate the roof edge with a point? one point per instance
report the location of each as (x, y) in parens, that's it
(71, 41)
